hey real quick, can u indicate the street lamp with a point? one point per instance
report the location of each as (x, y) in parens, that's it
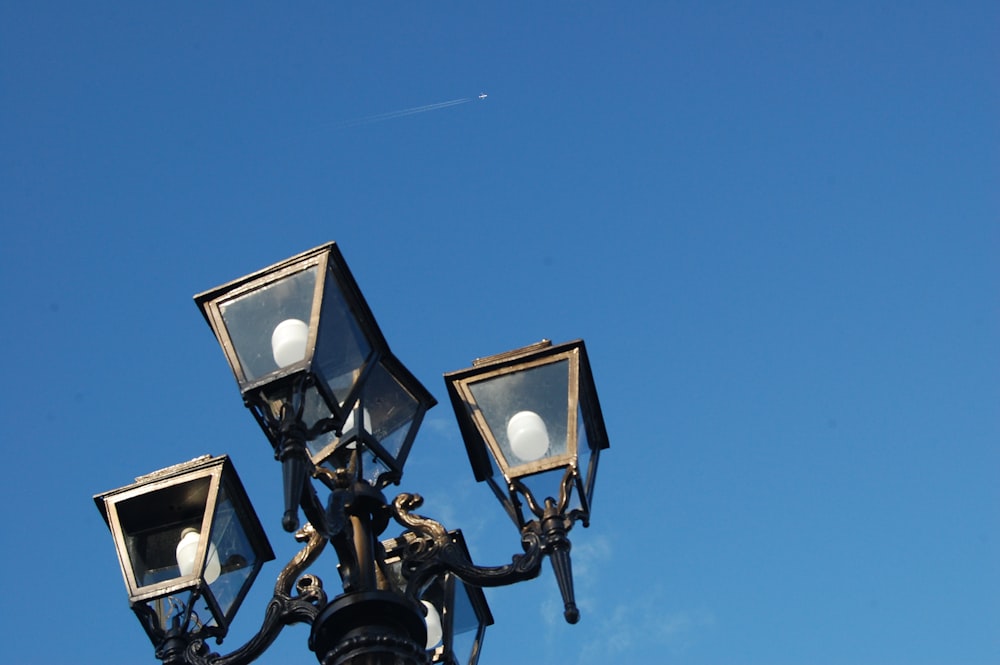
(534, 414)
(341, 412)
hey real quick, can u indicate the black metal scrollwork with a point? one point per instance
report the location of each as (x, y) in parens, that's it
(434, 552)
(283, 610)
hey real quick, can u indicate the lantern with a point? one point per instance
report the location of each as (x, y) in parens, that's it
(189, 544)
(533, 414)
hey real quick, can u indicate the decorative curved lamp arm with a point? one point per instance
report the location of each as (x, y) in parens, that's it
(283, 610)
(435, 552)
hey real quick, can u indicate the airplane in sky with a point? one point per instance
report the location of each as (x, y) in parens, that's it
(482, 95)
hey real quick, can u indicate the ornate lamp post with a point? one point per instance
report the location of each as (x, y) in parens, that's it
(341, 411)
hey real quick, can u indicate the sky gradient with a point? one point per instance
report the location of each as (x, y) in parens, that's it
(775, 227)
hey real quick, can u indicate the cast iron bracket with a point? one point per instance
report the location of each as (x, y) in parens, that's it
(434, 552)
(283, 610)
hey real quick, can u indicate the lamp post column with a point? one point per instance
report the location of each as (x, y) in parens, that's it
(368, 624)
(370, 628)
(172, 650)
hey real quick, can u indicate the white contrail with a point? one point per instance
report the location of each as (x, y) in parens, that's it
(379, 117)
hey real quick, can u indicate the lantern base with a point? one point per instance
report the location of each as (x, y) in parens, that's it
(370, 628)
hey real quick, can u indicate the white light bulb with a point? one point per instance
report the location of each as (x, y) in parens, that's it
(529, 439)
(434, 630)
(186, 551)
(288, 342)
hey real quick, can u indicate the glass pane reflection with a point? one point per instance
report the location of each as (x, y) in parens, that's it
(235, 554)
(171, 610)
(507, 403)
(341, 348)
(251, 319)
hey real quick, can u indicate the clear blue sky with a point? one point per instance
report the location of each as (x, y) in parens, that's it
(776, 227)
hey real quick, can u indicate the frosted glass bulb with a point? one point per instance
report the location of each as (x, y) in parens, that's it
(434, 630)
(288, 342)
(186, 551)
(529, 439)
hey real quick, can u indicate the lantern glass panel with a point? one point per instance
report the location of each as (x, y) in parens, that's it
(464, 614)
(548, 485)
(235, 555)
(342, 349)
(586, 459)
(170, 612)
(153, 525)
(466, 619)
(252, 318)
(389, 408)
(526, 412)
(322, 446)
(374, 470)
